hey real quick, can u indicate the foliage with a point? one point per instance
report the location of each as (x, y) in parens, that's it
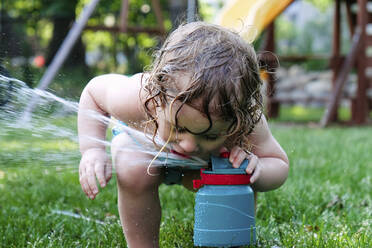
(323, 5)
(307, 39)
(136, 48)
(122, 53)
(32, 15)
(309, 32)
(32, 30)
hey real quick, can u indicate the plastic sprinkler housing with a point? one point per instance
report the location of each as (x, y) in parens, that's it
(224, 205)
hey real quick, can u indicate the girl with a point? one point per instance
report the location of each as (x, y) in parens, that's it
(202, 97)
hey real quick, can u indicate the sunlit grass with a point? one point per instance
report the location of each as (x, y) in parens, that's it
(300, 113)
(19, 145)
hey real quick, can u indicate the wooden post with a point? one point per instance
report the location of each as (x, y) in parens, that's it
(158, 15)
(272, 106)
(123, 23)
(350, 17)
(360, 113)
(334, 99)
(336, 57)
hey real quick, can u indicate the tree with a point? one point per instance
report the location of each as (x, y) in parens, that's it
(22, 19)
(62, 14)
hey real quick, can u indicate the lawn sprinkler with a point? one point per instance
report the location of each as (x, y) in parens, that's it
(224, 205)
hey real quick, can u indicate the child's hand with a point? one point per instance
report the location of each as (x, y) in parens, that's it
(238, 155)
(94, 163)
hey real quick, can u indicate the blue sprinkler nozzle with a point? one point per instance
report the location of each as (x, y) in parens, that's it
(224, 214)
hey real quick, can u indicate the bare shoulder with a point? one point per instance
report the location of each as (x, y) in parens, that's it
(264, 143)
(118, 95)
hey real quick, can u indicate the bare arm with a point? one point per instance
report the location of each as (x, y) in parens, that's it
(268, 163)
(88, 126)
(107, 95)
(272, 159)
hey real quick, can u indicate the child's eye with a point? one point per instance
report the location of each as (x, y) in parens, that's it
(181, 129)
(210, 137)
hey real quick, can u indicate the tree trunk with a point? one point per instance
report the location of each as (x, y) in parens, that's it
(61, 27)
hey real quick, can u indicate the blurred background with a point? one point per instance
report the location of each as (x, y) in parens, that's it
(121, 36)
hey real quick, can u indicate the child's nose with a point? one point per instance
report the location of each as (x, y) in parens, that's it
(188, 144)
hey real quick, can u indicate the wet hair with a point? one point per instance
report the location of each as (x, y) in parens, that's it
(223, 74)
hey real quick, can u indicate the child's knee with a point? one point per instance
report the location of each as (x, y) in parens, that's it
(136, 175)
(132, 167)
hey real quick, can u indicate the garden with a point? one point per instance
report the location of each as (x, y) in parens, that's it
(326, 200)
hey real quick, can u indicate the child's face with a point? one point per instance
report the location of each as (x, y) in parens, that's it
(189, 118)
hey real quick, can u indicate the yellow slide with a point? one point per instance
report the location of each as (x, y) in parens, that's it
(250, 17)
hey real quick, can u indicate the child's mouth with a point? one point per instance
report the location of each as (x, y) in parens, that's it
(180, 154)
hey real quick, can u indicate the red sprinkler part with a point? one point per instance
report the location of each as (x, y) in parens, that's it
(225, 154)
(221, 179)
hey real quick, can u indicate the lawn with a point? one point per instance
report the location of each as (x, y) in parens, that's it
(326, 201)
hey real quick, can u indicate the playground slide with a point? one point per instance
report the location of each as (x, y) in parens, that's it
(250, 17)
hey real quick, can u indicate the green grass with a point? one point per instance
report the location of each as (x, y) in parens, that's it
(326, 201)
(305, 114)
